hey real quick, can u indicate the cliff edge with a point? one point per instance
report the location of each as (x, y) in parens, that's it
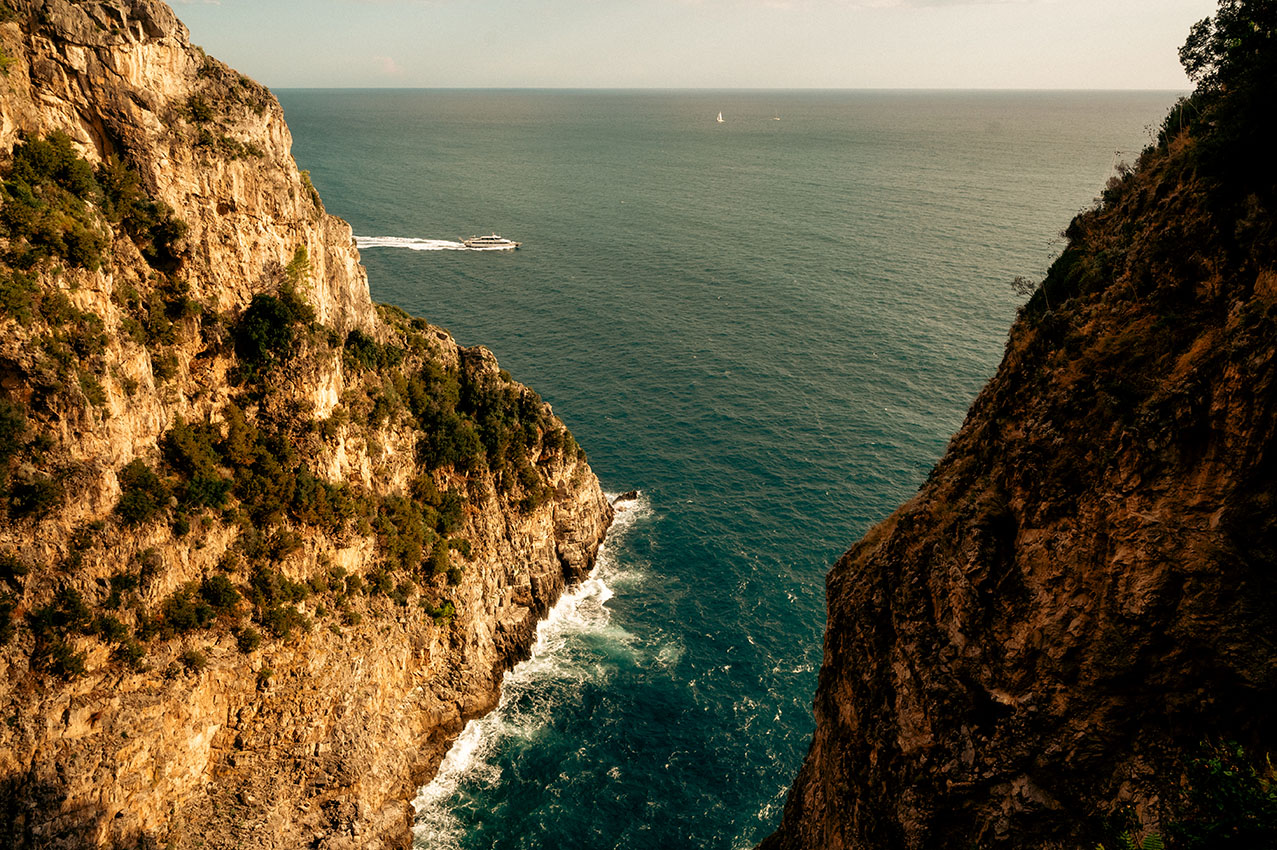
(264, 545)
(1068, 634)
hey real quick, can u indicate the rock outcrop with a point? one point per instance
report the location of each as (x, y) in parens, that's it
(1033, 650)
(267, 545)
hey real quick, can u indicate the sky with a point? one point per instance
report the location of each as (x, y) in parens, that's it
(982, 44)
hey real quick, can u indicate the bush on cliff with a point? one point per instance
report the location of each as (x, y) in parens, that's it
(50, 194)
(151, 224)
(46, 212)
(143, 497)
(266, 333)
(1232, 58)
(1230, 803)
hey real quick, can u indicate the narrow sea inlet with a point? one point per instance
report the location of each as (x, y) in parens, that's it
(769, 327)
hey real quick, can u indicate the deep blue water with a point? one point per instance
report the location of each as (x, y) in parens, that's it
(770, 327)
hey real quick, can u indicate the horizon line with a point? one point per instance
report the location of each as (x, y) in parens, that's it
(901, 89)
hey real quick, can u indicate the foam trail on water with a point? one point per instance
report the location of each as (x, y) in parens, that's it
(412, 244)
(578, 612)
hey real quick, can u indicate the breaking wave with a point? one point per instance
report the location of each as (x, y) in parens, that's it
(564, 656)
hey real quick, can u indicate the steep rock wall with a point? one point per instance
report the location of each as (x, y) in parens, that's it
(1034, 649)
(199, 736)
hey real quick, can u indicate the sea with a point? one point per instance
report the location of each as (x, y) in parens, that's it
(769, 327)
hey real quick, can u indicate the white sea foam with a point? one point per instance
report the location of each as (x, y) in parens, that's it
(578, 612)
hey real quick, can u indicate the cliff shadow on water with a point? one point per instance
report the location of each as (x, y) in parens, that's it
(1066, 638)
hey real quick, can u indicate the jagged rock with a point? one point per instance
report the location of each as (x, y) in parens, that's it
(1081, 595)
(328, 747)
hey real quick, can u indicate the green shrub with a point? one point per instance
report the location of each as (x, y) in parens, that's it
(310, 189)
(280, 620)
(199, 110)
(185, 610)
(201, 492)
(190, 449)
(12, 569)
(318, 503)
(266, 332)
(92, 389)
(46, 214)
(298, 268)
(129, 651)
(7, 607)
(364, 352)
(35, 495)
(52, 160)
(110, 629)
(61, 660)
(401, 532)
(439, 560)
(401, 592)
(19, 295)
(56, 308)
(193, 660)
(248, 639)
(265, 470)
(13, 430)
(120, 583)
(1232, 802)
(378, 582)
(51, 625)
(269, 587)
(143, 497)
(442, 614)
(219, 593)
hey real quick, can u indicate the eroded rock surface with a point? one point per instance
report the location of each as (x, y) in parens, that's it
(1082, 594)
(320, 736)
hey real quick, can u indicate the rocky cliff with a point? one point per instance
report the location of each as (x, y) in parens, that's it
(265, 545)
(1037, 649)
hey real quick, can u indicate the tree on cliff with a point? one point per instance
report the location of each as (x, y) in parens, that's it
(1232, 58)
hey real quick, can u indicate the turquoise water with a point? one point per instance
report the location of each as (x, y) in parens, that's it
(769, 327)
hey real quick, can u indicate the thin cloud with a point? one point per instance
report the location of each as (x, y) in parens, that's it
(387, 66)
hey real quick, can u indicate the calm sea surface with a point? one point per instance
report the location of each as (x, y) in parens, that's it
(769, 327)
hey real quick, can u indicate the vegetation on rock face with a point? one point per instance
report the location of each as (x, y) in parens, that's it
(244, 468)
(47, 210)
(190, 478)
(55, 207)
(1229, 804)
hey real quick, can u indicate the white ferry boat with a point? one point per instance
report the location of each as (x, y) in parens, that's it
(490, 243)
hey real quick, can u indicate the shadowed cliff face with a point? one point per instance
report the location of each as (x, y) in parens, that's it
(264, 545)
(1083, 591)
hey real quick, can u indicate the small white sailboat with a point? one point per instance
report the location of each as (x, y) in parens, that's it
(720, 118)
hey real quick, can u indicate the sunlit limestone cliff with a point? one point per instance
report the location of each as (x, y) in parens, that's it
(264, 545)
(1067, 637)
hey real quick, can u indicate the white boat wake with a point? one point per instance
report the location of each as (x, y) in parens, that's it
(413, 244)
(410, 243)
